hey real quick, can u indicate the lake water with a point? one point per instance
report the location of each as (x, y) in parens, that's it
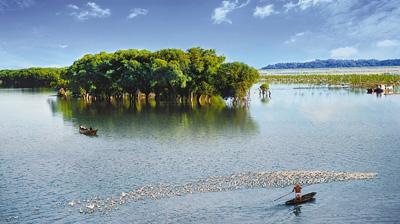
(45, 162)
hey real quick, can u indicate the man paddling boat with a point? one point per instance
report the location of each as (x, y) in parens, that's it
(297, 191)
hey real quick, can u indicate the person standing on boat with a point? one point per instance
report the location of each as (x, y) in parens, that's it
(297, 191)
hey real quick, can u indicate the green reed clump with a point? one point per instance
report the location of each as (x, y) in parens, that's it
(339, 79)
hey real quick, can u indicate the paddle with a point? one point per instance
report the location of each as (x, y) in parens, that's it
(283, 196)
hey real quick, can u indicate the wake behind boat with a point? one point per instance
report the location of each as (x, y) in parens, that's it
(87, 131)
(305, 198)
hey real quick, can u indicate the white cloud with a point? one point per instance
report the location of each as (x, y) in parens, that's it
(72, 6)
(295, 37)
(388, 43)
(363, 20)
(304, 4)
(137, 12)
(288, 6)
(92, 10)
(62, 46)
(344, 52)
(220, 13)
(15, 4)
(264, 11)
(354, 23)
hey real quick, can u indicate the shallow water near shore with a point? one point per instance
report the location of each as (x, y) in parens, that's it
(45, 163)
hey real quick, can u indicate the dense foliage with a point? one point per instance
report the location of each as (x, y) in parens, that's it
(264, 86)
(168, 73)
(354, 79)
(333, 63)
(32, 77)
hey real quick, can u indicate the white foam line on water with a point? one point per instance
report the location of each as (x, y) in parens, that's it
(218, 183)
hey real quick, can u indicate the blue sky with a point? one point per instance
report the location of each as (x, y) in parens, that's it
(257, 32)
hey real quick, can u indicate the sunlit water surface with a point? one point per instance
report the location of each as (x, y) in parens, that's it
(45, 162)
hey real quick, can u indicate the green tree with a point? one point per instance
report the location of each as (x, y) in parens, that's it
(169, 73)
(203, 68)
(264, 86)
(235, 79)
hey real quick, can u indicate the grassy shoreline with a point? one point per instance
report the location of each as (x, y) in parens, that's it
(355, 80)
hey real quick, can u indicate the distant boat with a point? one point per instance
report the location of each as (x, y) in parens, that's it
(87, 131)
(385, 89)
(305, 198)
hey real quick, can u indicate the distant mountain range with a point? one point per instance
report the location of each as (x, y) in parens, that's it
(334, 63)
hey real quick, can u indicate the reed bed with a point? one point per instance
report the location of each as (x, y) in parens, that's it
(354, 80)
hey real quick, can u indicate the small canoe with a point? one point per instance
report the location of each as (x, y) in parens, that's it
(86, 131)
(305, 198)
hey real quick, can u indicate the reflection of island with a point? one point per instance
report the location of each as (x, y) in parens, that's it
(265, 100)
(130, 119)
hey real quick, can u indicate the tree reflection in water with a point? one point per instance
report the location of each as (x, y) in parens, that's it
(130, 118)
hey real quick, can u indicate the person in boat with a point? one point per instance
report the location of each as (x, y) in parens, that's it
(297, 191)
(91, 129)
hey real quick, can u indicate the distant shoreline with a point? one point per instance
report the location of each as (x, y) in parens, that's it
(335, 63)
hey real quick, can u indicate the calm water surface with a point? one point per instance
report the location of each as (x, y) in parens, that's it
(45, 162)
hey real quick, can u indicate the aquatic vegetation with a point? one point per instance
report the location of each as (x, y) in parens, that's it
(264, 86)
(352, 80)
(231, 182)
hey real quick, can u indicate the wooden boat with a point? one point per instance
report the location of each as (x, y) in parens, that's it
(87, 131)
(305, 198)
(378, 90)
